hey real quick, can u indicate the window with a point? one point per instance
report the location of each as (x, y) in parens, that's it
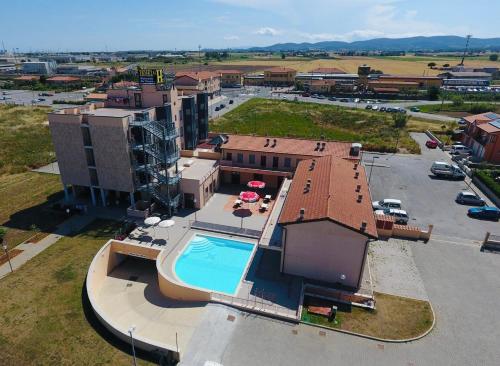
(288, 163)
(239, 158)
(94, 180)
(229, 156)
(138, 100)
(276, 160)
(165, 98)
(89, 154)
(87, 140)
(251, 159)
(263, 161)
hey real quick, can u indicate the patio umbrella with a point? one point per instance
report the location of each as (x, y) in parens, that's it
(256, 184)
(249, 196)
(166, 224)
(152, 221)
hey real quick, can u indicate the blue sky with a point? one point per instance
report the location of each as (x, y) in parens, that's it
(71, 25)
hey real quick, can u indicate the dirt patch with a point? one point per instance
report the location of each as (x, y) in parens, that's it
(12, 253)
(37, 237)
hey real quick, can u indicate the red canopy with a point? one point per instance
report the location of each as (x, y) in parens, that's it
(256, 184)
(249, 196)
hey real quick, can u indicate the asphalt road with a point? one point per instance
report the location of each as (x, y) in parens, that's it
(26, 97)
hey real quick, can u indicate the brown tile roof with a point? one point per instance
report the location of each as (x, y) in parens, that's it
(280, 69)
(328, 70)
(333, 195)
(97, 96)
(488, 128)
(411, 77)
(289, 146)
(386, 90)
(124, 84)
(64, 78)
(480, 118)
(27, 77)
(380, 82)
(197, 75)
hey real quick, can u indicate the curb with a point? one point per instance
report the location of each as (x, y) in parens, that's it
(366, 336)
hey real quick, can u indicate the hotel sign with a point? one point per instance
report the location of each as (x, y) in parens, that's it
(150, 76)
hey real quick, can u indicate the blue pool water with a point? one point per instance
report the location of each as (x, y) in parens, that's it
(213, 263)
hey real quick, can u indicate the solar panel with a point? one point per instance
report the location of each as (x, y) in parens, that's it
(492, 116)
(496, 123)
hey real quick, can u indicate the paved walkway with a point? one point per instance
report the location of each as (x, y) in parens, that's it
(52, 168)
(30, 250)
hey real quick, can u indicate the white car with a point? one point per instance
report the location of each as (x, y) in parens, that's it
(459, 149)
(386, 203)
(375, 108)
(400, 216)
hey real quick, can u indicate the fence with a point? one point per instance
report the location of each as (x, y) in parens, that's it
(225, 229)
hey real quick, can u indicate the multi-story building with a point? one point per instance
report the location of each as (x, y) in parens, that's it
(231, 78)
(129, 144)
(39, 67)
(466, 78)
(482, 135)
(198, 82)
(245, 158)
(279, 76)
(253, 80)
(422, 82)
(328, 81)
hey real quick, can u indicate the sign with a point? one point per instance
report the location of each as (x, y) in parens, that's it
(150, 76)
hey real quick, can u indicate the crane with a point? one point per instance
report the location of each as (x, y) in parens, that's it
(469, 36)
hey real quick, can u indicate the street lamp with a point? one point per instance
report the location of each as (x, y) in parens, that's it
(8, 255)
(194, 202)
(371, 169)
(130, 331)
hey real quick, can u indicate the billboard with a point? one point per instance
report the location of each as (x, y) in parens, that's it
(150, 76)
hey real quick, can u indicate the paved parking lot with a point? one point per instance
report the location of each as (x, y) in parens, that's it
(426, 199)
(25, 97)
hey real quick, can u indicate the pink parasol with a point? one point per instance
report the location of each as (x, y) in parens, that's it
(256, 184)
(249, 196)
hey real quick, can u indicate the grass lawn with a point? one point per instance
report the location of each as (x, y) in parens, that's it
(311, 120)
(460, 110)
(394, 318)
(25, 141)
(41, 313)
(25, 209)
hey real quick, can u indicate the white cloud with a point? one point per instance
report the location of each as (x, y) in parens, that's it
(256, 4)
(231, 38)
(267, 31)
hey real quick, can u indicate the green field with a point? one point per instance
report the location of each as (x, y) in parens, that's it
(374, 130)
(42, 314)
(463, 109)
(25, 141)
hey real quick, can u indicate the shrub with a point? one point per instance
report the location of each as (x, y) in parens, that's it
(487, 177)
(457, 101)
(479, 108)
(400, 120)
(494, 57)
(433, 93)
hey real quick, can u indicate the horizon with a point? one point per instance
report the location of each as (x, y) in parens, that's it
(230, 24)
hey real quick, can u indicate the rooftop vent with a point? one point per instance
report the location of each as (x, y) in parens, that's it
(318, 144)
(355, 149)
(313, 164)
(363, 226)
(323, 146)
(274, 142)
(358, 188)
(302, 212)
(355, 166)
(307, 188)
(356, 175)
(267, 143)
(360, 198)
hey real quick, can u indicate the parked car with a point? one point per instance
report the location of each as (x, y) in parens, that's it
(400, 216)
(344, 100)
(383, 109)
(356, 100)
(217, 109)
(375, 108)
(333, 99)
(485, 212)
(231, 101)
(386, 203)
(222, 106)
(469, 198)
(306, 94)
(368, 106)
(431, 144)
(445, 170)
(321, 97)
(459, 149)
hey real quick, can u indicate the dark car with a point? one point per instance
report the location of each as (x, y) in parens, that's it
(217, 109)
(469, 198)
(485, 212)
(306, 95)
(222, 106)
(383, 109)
(344, 100)
(368, 106)
(231, 101)
(333, 99)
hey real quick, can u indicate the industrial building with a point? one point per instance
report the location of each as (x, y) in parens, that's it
(39, 67)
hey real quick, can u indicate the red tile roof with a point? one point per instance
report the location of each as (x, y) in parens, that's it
(338, 192)
(289, 146)
(386, 90)
(197, 75)
(124, 84)
(97, 96)
(380, 82)
(488, 128)
(229, 72)
(479, 118)
(411, 77)
(27, 78)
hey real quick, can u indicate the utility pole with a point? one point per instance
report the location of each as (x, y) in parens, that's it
(469, 36)
(199, 57)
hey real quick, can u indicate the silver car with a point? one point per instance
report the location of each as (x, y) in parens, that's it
(469, 198)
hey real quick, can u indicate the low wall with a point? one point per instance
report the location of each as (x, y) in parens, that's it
(386, 228)
(209, 155)
(187, 153)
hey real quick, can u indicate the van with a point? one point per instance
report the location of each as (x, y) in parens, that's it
(443, 169)
(459, 149)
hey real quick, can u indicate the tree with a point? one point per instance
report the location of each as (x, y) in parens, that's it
(433, 93)
(446, 65)
(494, 57)
(400, 120)
(2, 234)
(283, 56)
(431, 65)
(43, 79)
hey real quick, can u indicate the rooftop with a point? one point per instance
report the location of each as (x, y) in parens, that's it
(338, 191)
(409, 77)
(280, 69)
(290, 146)
(194, 168)
(229, 72)
(482, 118)
(328, 70)
(64, 78)
(197, 75)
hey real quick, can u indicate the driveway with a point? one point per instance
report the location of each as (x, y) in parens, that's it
(427, 200)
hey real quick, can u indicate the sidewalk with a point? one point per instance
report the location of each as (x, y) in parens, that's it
(30, 250)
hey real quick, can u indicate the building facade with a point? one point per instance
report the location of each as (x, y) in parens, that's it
(279, 76)
(198, 82)
(39, 67)
(482, 135)
(231, 78)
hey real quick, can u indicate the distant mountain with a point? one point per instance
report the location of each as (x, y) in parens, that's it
(434, 43)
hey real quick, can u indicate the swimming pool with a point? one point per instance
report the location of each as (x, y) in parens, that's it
(213, 263)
